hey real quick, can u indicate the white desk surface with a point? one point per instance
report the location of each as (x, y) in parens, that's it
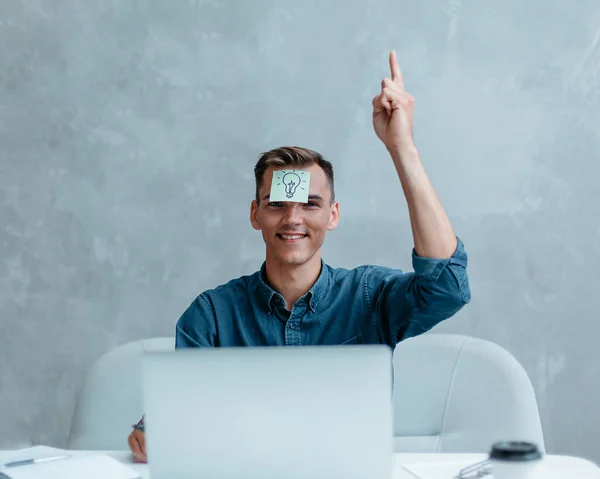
(562, 467)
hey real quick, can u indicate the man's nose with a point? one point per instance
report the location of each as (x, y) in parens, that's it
(293, 213)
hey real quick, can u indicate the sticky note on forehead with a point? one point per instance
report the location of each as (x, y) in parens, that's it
(290, 185)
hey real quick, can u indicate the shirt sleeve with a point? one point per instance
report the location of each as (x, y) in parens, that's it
(197, 327)
(408, 304)
(140, 425)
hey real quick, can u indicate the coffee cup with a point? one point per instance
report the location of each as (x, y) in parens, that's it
(515, 460)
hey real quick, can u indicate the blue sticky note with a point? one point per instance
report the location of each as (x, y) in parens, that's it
(290, 185)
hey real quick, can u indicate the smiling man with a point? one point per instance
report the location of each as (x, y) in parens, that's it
(296, 299)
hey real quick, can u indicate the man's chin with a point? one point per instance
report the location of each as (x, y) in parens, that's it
(291, 256)
(293, 259)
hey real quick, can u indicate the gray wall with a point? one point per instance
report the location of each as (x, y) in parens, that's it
(128, 132)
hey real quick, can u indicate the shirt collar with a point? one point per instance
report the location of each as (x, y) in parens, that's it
(313, 296)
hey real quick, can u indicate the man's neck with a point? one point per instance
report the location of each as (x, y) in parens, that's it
(293, 281)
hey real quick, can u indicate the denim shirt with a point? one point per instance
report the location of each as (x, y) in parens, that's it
(364, 305)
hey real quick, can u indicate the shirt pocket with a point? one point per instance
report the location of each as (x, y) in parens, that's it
(355, 340)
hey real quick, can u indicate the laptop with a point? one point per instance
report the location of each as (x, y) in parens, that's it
(307, 412)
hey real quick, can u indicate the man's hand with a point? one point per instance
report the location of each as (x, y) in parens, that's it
(137, 444)
(393, 113)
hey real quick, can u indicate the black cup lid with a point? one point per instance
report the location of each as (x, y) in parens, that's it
(515, 451)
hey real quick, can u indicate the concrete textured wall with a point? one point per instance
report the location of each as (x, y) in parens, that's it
(128, 132)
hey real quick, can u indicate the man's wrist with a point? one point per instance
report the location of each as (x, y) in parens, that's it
(404, 154)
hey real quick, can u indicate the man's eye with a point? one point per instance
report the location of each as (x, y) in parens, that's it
(312, 204)
(275, 204)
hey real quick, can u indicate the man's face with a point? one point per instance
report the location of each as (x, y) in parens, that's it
(294, 232)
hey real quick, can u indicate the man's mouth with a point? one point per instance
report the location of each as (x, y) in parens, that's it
(291, 236)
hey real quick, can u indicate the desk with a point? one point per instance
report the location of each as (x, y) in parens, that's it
(563, 467)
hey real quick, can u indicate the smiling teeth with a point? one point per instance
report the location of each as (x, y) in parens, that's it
(292, 236)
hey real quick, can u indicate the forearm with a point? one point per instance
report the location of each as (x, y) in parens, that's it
(432, 231)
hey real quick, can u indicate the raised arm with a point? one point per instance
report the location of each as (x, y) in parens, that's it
(393, 121)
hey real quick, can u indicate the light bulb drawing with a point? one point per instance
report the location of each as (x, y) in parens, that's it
(291, 182)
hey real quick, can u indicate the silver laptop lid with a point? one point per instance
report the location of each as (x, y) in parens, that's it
(277, 412)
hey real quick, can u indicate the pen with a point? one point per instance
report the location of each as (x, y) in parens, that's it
(31, 461)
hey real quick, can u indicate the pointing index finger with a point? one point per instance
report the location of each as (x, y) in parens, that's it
(395, 69)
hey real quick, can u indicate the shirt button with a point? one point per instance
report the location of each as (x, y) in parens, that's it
(292, 326)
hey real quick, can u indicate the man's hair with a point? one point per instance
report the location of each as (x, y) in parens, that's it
(291, 156)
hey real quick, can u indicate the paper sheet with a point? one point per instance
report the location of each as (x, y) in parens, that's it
(29, 453)
(290, 185)
(77, 467)
(450, 469)
(441, 470)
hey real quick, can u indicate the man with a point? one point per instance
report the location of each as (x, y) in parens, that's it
(296, 299)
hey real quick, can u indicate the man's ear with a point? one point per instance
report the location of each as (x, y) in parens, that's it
(334, 216)
(254, 215)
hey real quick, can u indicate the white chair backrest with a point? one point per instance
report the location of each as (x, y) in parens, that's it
(110, 399)
(452, 393)
(456, 393)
